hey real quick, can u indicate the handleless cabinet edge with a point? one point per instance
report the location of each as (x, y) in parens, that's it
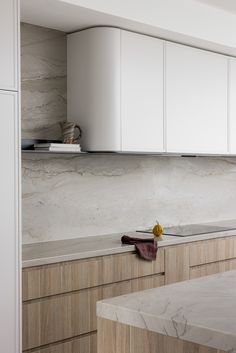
(53, 279)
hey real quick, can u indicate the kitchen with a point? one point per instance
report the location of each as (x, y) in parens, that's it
(76, 207)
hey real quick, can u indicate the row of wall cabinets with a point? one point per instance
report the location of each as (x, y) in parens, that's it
(135, 93)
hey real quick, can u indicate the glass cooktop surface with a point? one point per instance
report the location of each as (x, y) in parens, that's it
(191, 229)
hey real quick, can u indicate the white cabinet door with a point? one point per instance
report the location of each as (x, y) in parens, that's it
(196, 100)
(9, 297)
(93, 86)
(8, 44)
(232, 106)
(141, 93)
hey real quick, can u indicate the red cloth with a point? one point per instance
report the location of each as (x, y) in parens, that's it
(146, 248)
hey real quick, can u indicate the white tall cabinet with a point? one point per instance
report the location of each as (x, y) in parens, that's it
(196, 100)
(9, 180)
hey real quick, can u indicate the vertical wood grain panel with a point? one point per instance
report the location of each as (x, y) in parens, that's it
(114, 337)
(176, 264)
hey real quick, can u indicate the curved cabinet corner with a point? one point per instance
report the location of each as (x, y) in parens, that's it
(94, 86)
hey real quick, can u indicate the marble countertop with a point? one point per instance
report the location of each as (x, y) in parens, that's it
(201, 311)
(37, 254)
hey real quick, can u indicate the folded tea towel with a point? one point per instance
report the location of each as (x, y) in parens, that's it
(146, 248)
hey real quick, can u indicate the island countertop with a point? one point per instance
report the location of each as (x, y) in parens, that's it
(201, 311)
(37, 254)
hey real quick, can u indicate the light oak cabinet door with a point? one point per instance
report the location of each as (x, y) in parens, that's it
(43, 281)
(141, 93)
(56, 318)
(212, 268)
(81, 344)
(176, 263)
(196, 100)
(8, 44)
(9, 303)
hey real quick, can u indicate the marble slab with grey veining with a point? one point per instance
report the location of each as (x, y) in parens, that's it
(43, 253)
(79, 196)
(201, 311)
(43, 81)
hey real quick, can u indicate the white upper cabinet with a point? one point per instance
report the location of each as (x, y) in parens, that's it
(196, 100)
(135, 93)
(93, 83)
(115, 90)
(8, 44)
(141, 93)
(232, 106)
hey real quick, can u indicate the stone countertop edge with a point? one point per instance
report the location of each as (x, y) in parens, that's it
(39, 254)
(200, 310)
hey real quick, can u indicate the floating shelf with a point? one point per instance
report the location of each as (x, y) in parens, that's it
(52, 152)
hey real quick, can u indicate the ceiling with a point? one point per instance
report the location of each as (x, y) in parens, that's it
(68, 16)
(227, 5)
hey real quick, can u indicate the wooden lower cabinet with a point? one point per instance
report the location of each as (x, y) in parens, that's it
(64, 316)
(208, 251)
(176, 263)
(59, 300)
(197, 259)
(81, 344)
(212, 268)
(64, 277)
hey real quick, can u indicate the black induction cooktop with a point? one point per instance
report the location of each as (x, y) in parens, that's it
(191, 230)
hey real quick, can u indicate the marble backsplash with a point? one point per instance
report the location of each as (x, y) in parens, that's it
(74, 196)
(66, 197)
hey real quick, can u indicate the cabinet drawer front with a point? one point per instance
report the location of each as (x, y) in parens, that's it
(212, 251)
(57, 318)
(82, 344)
(69, 276)
(65, 316)
(212, 268)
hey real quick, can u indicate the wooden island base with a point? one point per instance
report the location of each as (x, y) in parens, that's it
(114, 337)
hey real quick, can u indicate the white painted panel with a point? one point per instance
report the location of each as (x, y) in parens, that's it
(9, 297)
(185, 21)
(94, 87)
(232, 105)
(8, 44)
(196, 100)
(141, 93)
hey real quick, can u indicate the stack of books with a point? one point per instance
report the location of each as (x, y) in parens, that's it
(57, 147)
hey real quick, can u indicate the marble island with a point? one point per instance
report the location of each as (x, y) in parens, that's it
(193, 316)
